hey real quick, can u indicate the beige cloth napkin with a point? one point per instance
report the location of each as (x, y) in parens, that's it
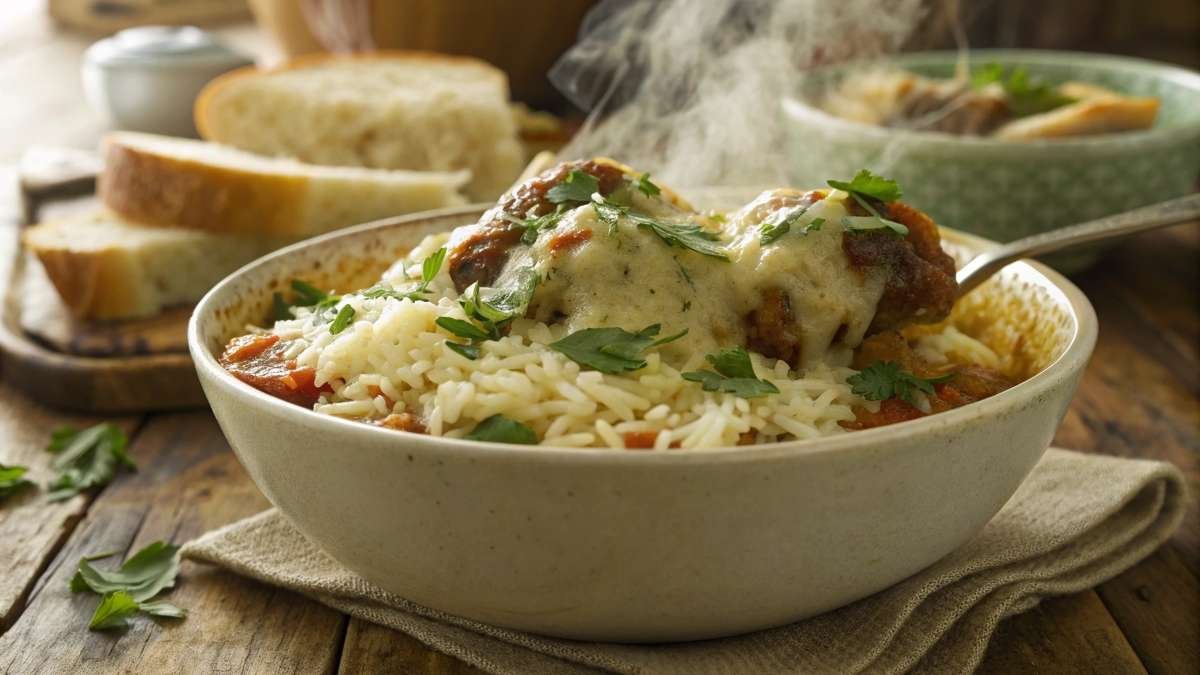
(1077, 521)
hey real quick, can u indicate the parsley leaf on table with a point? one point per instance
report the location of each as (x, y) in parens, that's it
(611, 350)
(113, 611)
(12, 480)
(131, 587)
(885, 379)
(578, 186)
(86, 459)
(864, 188)
(734, 375)
(500, 429)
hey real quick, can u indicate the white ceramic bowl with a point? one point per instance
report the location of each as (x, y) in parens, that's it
(632, 546)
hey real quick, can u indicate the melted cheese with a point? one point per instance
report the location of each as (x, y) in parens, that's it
(631, 279)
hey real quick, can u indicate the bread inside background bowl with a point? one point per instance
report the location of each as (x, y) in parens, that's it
(1019, 314)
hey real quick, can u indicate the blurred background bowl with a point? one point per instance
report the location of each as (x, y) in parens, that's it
(1005, 190)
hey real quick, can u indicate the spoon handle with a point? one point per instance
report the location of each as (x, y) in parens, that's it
(1124, 224)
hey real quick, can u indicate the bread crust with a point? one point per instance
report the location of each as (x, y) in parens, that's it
(92, 284)
(213, 89)
(159, 190)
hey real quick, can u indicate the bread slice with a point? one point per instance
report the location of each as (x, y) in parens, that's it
(385, 110)
(175, 182)
(106, 268)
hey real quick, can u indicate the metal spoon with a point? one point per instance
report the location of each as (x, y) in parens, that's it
(1162, 214)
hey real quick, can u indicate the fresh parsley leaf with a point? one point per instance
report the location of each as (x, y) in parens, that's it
(307, 295)
(143, 576)
(686, 234)
(867, 223)
(534, 226)
(113, 611)
(280, 310)
(609, 214)
(885, 379)
(867, 184)
(865, 188)
(1025, 94)
(500, 429)
(468, 351)
(429, 271)
(504, 304)
(163, 609)
(463, 329)
(86, 459)
(611, 350)
(12, 480)
(645, 187)
(578, 186)
(344, 316)
(780, 223)
(735, 375)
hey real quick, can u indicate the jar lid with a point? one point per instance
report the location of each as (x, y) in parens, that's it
(162, 46)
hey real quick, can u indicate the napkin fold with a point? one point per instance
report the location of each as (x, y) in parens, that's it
(1077, 521)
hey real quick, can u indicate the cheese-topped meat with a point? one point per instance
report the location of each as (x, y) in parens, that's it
(786, 275)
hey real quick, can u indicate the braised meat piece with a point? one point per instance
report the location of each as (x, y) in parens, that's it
(259, 361)
(478, 254)
(920, 285)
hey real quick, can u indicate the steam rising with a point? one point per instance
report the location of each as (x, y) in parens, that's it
(691, 90)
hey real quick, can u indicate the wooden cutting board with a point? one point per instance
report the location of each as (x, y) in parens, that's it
(93, 366)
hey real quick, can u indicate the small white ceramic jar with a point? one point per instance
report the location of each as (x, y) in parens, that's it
(146, 79)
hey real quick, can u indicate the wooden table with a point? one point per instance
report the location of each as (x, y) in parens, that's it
(1138, 399)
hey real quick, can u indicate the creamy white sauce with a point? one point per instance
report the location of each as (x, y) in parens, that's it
(631, 279)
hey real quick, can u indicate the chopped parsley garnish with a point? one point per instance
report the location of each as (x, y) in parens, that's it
(86, 459)
(12, 479)
(885, 379)
(1025, 94)
(686, 234)
(781, 222)
(534, 226)
(340, 322)
(429, 271)
(500, 429)
(866, 188)
(578, 186)
(491, 314)
(611, 350)
(308, 295)
(645, 187)
(734, 375)
(129, 589)
(280, 310)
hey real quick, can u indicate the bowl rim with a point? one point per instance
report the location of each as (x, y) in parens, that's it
(1072, 359)
(797, 109)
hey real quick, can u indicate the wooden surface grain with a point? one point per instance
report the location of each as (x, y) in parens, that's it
(1139, 398)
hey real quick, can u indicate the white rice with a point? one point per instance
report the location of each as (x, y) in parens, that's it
(394, 359)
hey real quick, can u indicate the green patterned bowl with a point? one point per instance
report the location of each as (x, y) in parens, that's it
(1005, 190)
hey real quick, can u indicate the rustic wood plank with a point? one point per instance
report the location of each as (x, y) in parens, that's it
(1157, 606)
(371, 648)
(33, 528)
(1069, 634)
(189, 482)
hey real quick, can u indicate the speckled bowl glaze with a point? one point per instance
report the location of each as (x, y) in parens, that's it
(635, 546)
(1004, 190)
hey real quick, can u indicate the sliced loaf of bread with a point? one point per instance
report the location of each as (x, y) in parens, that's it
(106, 268)
(175, 182)
(386, 110)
